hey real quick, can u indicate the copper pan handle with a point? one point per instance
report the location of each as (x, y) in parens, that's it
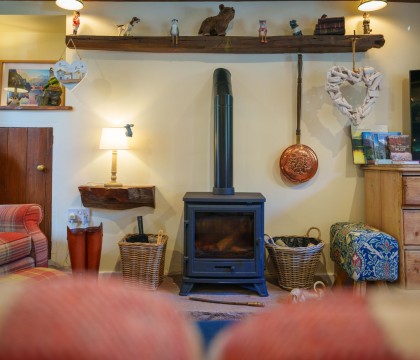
(299, 98)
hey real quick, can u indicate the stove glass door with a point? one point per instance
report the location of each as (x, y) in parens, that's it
(224, 235)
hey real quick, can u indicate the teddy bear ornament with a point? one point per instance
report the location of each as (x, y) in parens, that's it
(217, 25)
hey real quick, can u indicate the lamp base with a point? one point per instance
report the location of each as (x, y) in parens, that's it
(113, 184)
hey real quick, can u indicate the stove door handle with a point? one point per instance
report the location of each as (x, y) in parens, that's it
(228, 267)
(260, 254)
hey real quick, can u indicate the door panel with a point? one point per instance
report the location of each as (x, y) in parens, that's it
(17, 142)
(21, 151)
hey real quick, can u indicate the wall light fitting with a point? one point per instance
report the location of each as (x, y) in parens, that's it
(372, 5)
(70, 4)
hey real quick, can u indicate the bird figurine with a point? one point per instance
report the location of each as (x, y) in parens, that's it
(295, 28)
(174, 32)
(128, 132)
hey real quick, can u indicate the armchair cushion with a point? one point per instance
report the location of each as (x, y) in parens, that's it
(14, 246)
(23, 219)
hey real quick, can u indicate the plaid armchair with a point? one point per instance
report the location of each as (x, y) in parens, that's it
(22, 243)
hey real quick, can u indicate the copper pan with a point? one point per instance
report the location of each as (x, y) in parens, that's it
(298, 163)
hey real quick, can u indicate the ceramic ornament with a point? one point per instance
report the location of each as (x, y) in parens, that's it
(69, 75)
(338, 75)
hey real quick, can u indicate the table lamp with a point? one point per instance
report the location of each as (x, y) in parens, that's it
(113, 139)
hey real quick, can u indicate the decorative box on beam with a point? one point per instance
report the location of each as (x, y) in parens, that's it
(119, 198)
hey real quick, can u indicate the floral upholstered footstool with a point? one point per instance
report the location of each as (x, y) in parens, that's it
(364, 253)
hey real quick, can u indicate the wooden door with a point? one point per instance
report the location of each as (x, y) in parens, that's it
(26, 170)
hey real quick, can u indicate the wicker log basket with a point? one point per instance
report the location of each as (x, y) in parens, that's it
(295, 263)
(143, 263)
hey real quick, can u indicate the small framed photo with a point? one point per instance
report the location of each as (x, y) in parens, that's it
(30, 83)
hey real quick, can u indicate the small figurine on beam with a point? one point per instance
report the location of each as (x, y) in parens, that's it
(263, 31)
(175, 32)
(125, 29)
(295, 28)
(366, 24)
(76, 22)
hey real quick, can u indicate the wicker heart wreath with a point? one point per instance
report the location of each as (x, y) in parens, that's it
(337, 75)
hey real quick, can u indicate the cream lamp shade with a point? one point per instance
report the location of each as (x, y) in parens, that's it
(372, 5)
(114, 139)
(70, 4)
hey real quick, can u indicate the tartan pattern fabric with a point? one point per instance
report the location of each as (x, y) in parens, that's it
(339, 326)
(35, 274)
(14, 246)
(71, 318)
(25, 263)
(364, 252)
(25, 218)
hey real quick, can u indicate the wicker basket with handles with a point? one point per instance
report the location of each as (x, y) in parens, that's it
(143, 263)
(295, 263)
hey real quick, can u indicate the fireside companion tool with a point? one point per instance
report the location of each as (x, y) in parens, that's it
(141, 236)
(245, 303)
(298, 163)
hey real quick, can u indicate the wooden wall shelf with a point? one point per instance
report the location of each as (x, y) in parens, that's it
(228, 44)
(36, 107)
(118, 198)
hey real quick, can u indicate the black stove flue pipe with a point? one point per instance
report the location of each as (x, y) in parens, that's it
(223, 150)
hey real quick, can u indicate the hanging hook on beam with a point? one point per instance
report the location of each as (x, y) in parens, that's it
(353, 50)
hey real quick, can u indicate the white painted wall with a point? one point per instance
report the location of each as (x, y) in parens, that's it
(168, 98)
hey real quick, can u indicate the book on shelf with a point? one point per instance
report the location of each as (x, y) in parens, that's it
(399, 148)
(329, 31)
(357, 141)
(380, 144)
(330, 26)
(393, 162)
(375, 146)
(368, 147)
(381, 162)
(406, 162)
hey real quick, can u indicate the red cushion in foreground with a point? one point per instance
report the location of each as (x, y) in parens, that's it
(82, 319)
(339, 326)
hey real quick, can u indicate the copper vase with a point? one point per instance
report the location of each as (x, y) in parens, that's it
(94, 248)
(76, 240)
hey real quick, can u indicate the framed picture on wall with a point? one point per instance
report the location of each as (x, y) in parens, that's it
(30, 83)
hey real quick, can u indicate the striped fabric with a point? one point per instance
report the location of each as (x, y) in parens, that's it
(14, 246)
(35, 274)
(25, 219)
(25, 263)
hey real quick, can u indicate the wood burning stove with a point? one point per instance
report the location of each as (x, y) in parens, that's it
(223, 230)
(224, 240)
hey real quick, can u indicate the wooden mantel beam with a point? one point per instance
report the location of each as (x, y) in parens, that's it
(227, 44)
(87, 1)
